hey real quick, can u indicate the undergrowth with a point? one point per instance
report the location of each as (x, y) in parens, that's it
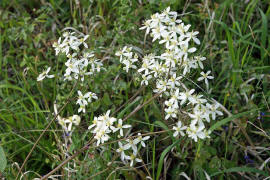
(234, 39)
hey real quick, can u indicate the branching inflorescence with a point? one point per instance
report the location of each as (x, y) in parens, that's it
(169, 69)
(166, 71)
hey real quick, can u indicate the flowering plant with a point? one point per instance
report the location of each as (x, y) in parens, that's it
(167, 72)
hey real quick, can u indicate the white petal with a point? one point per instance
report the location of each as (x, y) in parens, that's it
(200, 78)
(196, 40)
(48, 70)
(191, 50)
(50, 76)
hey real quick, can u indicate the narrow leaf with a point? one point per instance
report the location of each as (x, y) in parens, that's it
(226, 120)
(161, 159)
(242, 169)
(3, 160)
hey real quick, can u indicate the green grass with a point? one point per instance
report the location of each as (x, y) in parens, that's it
(235, 41)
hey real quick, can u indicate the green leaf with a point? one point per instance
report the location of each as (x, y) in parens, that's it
(226, 120)
(121, 113)
(106, 99)
(165, 127)
(264, 32)
(161, 159)
(3, 160)
(242, 169)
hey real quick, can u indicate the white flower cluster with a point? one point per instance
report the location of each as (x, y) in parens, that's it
(127, 58)
(78, 60)
(104, 125)
(131, 143)
(168, 69)
(83, 100)
(67, 123)
(44, 74)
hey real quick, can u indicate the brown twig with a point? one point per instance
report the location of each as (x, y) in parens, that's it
(140, 106)
(86, 147)
(131, 99)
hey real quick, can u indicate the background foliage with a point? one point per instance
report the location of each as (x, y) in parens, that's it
(235, 40)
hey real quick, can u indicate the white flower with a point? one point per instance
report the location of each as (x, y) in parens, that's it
(179, 129)
(195, 132)
(128, 61)
(91, 96)
(199, 60)
(171, 112)
(104, 125)
(44, 74)
(174, 81)
(172, 103)
(192, 35)
(158, 32)
(207, 133)
(167, 12)
(166, 39)
(121, 150)
(205, 77)
(147, 64)
(214, 110)
(82, 40)
(182, 29)
(62, 122)
(198, 100)
(155, 20)
(57, 46)
(73, 66)
(82, 108)
(131, 143)
(145, 79)
(133, 158)
(81, 99)
(206, 112)
(173, 21)
(79, 60)
(72, 57)
(162, 85)
(186, 49)
(147, 26)
(120, 53)
(102, 136)
(84, 99)
(197, 116)
(142, 139)
(156, 69)
(95, 121)
(75, 119)
(120, 127)
(184, 96)
(175, 96)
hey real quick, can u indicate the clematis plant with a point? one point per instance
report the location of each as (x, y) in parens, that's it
(168, 72)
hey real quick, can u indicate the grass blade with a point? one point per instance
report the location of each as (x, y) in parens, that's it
(161, 159)
(264, 32)
(3, 160)
(226, 120)
(242, 169)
